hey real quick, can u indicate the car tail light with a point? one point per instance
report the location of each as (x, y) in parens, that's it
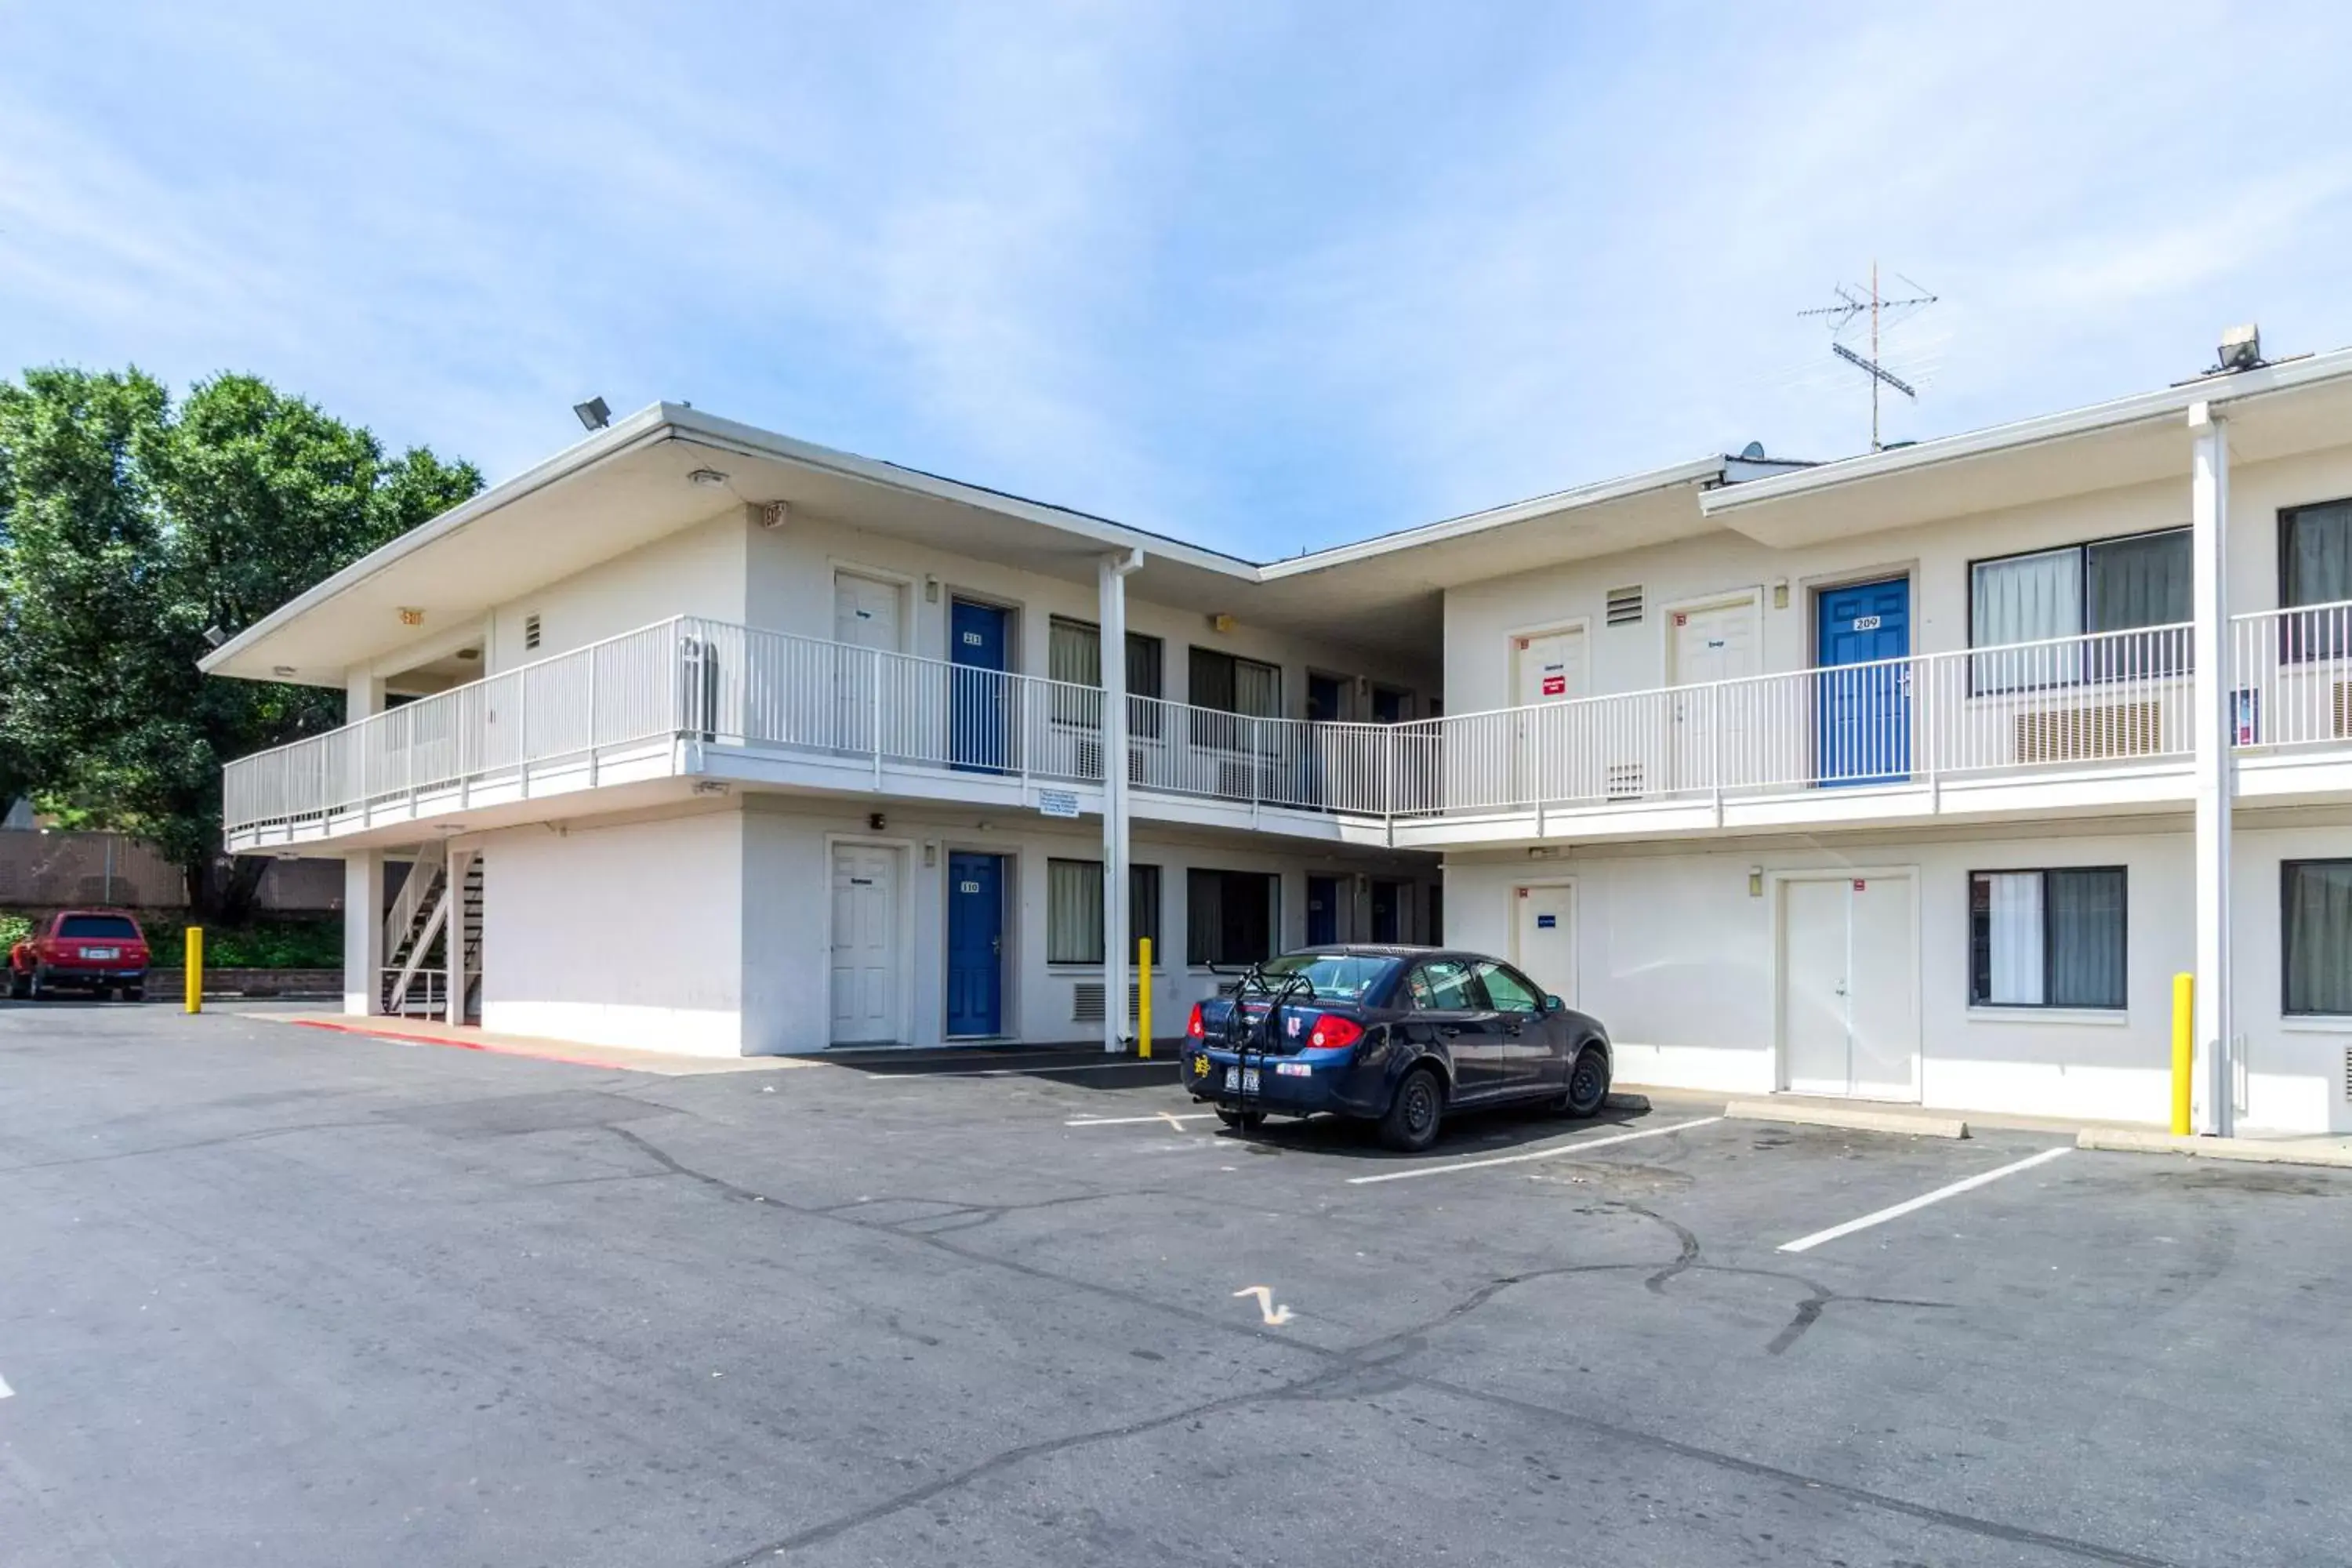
(1331, 1031)
(1192, 1029)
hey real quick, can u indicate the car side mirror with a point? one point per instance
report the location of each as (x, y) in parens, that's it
(1554, 1004)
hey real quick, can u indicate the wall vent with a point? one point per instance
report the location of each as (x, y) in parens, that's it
(2085, 734)
(1625, 606)
(1624, 781)
(2347, 1072)
(530, 631)
(1086, 1001)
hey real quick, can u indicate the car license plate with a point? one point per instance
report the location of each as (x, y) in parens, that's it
(101, 952)
(1243, 1079)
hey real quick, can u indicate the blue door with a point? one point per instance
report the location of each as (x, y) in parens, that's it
(975, 945)
(1322, 910)
(1863, 704)
(977, 737)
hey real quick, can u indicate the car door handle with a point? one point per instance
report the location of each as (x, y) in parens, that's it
(1447, 1031)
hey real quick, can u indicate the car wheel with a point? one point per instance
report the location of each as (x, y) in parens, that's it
(1587, 1082)
(1415, 1114)
(135, 993)
(36, 988)
(19, 986)
(1243, 1120)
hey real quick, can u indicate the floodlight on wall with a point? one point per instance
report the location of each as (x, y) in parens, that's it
(2241, 347)
(594, 414)
(214, 637)
(708, 479)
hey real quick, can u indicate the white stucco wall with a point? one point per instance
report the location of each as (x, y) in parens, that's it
(791, 574)
(1481, 618)
(621, 933)
(787, 913)
(697, 571)
(1677, 958)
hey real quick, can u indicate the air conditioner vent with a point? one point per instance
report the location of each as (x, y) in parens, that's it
(530, 631)
(2087, 735)
(1625, 606)
(1086, 1002)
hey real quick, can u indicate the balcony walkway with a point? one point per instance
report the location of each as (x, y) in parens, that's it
(2070, 726)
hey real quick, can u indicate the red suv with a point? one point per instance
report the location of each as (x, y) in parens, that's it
(97, 951)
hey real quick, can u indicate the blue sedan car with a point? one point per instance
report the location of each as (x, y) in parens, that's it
(1398, 1037)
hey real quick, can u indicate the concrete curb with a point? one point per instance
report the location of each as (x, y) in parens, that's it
(2251, 1150)
(1636, 1102)
(1855, 1120)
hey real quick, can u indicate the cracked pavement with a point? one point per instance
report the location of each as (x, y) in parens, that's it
(277, 1296)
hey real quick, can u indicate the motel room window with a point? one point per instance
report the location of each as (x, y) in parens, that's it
(2315, 568)
(1230, 917)
(2315, 936)
(1074, 911)
(2047, 939)
(1074, 654)
(2110, 585)
(1231, 684)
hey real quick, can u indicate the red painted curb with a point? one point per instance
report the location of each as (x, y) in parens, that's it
(483, 1045)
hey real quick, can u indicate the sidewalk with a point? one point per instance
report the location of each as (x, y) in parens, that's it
(423, 1032)
(2323, 1149)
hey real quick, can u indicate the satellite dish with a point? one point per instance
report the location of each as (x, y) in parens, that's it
(1753, 452)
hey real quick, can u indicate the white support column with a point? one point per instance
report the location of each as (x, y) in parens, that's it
(2208, 499)
(362, 931)
(1118, 963)
(453, 938)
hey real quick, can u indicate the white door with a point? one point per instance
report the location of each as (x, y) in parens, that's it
(1849, 1015)
(1546, 667)
(1545, 942)
(865, 614)
(1550, 667)
(1883, 995)
(866, 965)
(1709, 643)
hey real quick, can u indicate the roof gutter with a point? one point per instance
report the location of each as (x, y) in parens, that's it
(2141, 408)
(646, 427)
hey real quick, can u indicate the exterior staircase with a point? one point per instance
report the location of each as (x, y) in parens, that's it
(427, 924)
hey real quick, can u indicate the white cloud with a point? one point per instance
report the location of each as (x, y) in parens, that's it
(1265, 277)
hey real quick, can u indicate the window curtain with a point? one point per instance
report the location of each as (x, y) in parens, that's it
(2025, 599)
(1257, 689)
(2317, 559)
(2318, 936)
(2087, 939)
(1074, 911)
(1074, 656)
(2014, 912)
(2141, 582)
(1073, 652)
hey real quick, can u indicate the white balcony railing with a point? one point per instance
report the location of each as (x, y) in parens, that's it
(2110, 699)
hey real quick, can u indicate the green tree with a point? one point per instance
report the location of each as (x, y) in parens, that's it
(127, 528)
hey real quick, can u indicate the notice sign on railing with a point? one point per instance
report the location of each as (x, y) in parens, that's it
(1057, 802)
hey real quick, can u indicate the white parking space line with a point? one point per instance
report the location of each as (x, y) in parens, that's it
(1168, 1116)
(1807, 1243)
(1554, 1153)
(6, 1392)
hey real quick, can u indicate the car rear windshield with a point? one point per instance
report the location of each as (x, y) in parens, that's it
(1336, 977)
(99, 925)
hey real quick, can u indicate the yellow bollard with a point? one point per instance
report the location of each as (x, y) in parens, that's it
(195, 966)
(2184, 1050)
(1143, 996)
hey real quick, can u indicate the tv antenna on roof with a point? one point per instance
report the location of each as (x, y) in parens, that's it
(1852, 306)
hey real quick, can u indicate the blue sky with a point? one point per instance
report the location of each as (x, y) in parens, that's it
(1268, 277)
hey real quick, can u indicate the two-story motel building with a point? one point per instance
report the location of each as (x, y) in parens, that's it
(1914, 777)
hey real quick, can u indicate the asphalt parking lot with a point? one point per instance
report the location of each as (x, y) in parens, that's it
(279, 1296)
